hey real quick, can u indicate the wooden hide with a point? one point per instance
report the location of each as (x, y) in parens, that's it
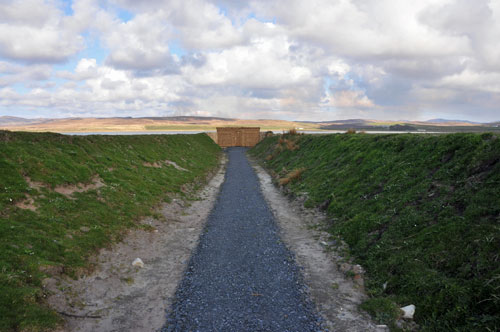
(238, 136)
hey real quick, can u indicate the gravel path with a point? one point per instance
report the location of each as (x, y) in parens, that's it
(241, 277)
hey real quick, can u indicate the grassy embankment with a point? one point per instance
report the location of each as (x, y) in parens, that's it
(64, 197)
(421, 213)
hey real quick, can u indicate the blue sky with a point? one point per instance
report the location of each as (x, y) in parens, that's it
(315, 60)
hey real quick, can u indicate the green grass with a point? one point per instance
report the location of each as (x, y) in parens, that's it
(420, 212)
(65, 230)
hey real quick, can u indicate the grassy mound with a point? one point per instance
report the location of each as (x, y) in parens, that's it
(64, 197)
(421, 213)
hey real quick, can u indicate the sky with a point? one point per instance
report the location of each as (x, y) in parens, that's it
(315, 60)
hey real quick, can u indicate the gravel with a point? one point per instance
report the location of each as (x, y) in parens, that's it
(241, 277)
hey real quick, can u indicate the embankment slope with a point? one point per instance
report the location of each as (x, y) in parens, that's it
(421, 213)
(64, 197)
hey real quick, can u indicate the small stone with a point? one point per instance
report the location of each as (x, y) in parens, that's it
(138, 262)
(358, 269)
(84, 229)
(382, 327)
(408, 311)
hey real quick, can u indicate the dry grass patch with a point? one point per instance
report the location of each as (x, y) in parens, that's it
(292, 176)
(290, 145)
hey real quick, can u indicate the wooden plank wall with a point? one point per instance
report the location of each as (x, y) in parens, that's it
(238, 136)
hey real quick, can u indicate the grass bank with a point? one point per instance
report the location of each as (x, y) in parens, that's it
(64, 197)
(421, 213)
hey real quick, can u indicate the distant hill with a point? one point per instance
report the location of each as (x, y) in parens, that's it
(200, 123)
(451, 121)
(403, 127)
(16, 121)
(174, 123)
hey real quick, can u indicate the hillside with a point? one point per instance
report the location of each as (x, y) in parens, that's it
(419, 212)
(177, 123)
(62, 198)
(198, 123)
(434, 126)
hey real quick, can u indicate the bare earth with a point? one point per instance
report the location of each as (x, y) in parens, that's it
(121, 297)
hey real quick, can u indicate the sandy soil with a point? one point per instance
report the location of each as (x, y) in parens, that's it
(122, 297)
(336, 296)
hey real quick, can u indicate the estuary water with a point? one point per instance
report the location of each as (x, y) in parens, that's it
(319, 132)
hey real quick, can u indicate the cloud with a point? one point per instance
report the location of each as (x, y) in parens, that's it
(317, 60)
(139, 44)
(350, 99)
(198, 24)
(36, 31)
(265, 63)
(11, 74)
(85, 69)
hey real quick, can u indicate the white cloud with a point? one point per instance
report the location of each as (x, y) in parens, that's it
(85, 69)
(141, 43)
(316, 59)
(12, 73)
(263, 64)
(349, 99)
(36, 31)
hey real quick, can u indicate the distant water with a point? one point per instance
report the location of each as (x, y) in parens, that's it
(138, 132)
(213, 131)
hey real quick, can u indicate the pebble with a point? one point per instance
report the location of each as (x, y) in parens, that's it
(408, 311)
(138, 263)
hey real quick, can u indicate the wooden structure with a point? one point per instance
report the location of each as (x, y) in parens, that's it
(238, 136)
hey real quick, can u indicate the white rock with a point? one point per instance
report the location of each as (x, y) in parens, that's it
(138, 262)
(409, 311)
(358, 269)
